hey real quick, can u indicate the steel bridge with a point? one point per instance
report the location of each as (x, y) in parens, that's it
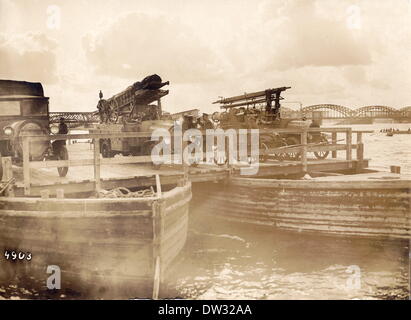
(332, 111)
(76, 119)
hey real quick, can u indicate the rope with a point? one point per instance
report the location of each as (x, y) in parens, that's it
(5, 184)
(122, 192)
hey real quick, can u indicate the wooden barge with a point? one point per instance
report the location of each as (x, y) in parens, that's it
(366, 205)
(120, 247)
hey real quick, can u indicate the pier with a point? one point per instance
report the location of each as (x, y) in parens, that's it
(89, 172)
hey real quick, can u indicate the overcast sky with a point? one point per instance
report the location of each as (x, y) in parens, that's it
(348, 52)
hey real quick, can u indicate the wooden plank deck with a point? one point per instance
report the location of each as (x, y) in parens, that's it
(81, 178)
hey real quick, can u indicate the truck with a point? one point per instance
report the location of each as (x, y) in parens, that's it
(262, 110)
(135, 109)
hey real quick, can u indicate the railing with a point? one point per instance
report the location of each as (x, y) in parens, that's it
(334, 146)
(97, 161)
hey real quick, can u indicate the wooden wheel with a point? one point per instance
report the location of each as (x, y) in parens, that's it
(295, 156)
(322, 154)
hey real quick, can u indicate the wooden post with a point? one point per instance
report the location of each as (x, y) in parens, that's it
(360, 147)
(158, 186)
(304, 150)
(348, 155)
(334, 141)
(45, 194)
(157, 237)
(26, 165)
(157, 278)
(97, 168)
(60, 193)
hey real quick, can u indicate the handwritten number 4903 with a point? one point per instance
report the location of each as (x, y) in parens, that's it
(17, 255)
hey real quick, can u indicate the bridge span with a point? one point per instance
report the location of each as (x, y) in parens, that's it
(338, 112)
(76, 119)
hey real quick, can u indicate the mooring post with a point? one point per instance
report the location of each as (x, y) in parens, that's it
(359, 153)
(96, 142)
(26, 165)
(304, 150)
(334, 142)
(348, 155)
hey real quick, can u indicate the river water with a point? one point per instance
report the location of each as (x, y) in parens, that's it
(226, 261)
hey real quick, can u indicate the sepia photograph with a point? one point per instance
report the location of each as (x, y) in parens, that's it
(205, 151)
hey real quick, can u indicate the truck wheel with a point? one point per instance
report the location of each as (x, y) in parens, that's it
(322, 154)
(293, 155)
(62, 155)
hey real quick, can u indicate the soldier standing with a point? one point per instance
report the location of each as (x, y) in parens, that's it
(206, 123)
(58, 144)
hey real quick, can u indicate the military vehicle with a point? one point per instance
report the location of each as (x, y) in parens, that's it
(24, 111)
(261, 110)
(132, 110)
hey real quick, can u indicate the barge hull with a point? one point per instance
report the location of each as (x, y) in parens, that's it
(361, 209)
(105, 248)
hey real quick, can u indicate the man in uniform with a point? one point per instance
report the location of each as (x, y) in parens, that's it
(63, 129)
(58, 144)
(205, 122)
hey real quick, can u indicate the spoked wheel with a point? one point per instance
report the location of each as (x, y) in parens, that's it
(62, 155)
(294, 156)
(322, 154)
(280, 156)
